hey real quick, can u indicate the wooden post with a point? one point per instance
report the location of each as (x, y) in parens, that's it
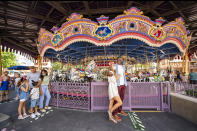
(183, 64)
(39, 62)
(186, 65)
(0, 59)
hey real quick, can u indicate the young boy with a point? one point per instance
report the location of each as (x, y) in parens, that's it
(34, 94)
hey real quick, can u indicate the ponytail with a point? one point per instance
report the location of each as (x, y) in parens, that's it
(20, 82)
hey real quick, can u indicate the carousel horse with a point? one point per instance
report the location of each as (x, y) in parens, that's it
(90, 70)
(74, 75)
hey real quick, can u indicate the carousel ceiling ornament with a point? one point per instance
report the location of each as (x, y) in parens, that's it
(132, 24)
(103, 30)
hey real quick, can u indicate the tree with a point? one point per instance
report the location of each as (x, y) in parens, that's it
(8, 59)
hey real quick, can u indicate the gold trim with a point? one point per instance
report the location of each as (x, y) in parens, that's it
(59, 41)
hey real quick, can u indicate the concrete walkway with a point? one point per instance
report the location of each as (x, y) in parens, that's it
(72, 120)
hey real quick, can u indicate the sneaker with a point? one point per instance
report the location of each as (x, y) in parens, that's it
(37, 114)
(20, 117)
(33, 115)
(48, 107)
(43, 110)
(25, 116)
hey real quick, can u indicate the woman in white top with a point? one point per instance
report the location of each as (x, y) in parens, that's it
(113, 92)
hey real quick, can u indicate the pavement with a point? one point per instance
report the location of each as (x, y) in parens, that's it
(61, 119)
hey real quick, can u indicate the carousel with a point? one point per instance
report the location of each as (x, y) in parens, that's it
(87, 47)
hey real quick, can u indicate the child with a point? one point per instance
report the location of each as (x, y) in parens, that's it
(23, 89)
(113, 93)
(34, 94)
(16, 88)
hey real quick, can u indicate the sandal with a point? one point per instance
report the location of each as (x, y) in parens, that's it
(111, 118)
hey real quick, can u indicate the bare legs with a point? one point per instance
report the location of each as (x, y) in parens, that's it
(118, 104)
(2, 93)
(1, 97)
(114, 107)
(20, 107)
(24, 108)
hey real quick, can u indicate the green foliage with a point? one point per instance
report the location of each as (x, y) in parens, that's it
(56, 66)
(8, 59)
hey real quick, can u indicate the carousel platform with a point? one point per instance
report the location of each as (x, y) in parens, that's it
(73, 120)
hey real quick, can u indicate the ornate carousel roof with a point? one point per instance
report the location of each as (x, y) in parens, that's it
(130, 33)
(21, 20)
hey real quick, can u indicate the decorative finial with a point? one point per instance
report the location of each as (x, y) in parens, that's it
(54, 29)
(102, 20)
(74, 16)
(159, 21)
(133, 10)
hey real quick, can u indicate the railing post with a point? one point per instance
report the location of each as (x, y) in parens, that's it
(168, 96)
(129, 87)
(57, 84)
(161, 96)
(91, 99)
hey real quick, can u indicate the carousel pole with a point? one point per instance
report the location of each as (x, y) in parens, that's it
(0, 59)
(104, 56)
(157, 61)
(119, 51)
(86, 54)
(68, 58)
(61, 63)
(126, 55)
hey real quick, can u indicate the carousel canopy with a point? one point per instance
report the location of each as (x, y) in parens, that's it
(131, 33)
(22, 20)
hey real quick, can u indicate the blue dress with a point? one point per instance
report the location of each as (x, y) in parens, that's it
(4, 85)
(22, 94)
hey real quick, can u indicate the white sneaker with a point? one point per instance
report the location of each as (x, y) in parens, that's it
(33, 115)
(25, 116)
(48, 107)
(43, 110)
(37, 114)
(20, 117)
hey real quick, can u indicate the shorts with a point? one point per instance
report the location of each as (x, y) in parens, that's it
(35, 102)
(23, 100)
(2, 92)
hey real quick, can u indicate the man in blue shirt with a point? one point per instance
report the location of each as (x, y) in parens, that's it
(193, 77)
(121, 83)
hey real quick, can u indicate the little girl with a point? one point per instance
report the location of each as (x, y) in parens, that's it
(23, 89)
(113, 92)
(35, 94)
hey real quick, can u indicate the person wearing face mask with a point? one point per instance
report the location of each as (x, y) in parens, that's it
(45, 86)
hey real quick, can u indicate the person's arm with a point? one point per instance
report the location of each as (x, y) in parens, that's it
(117, 76)
(31, 92)
(24, 89)
(49, 86)
(39, 85)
